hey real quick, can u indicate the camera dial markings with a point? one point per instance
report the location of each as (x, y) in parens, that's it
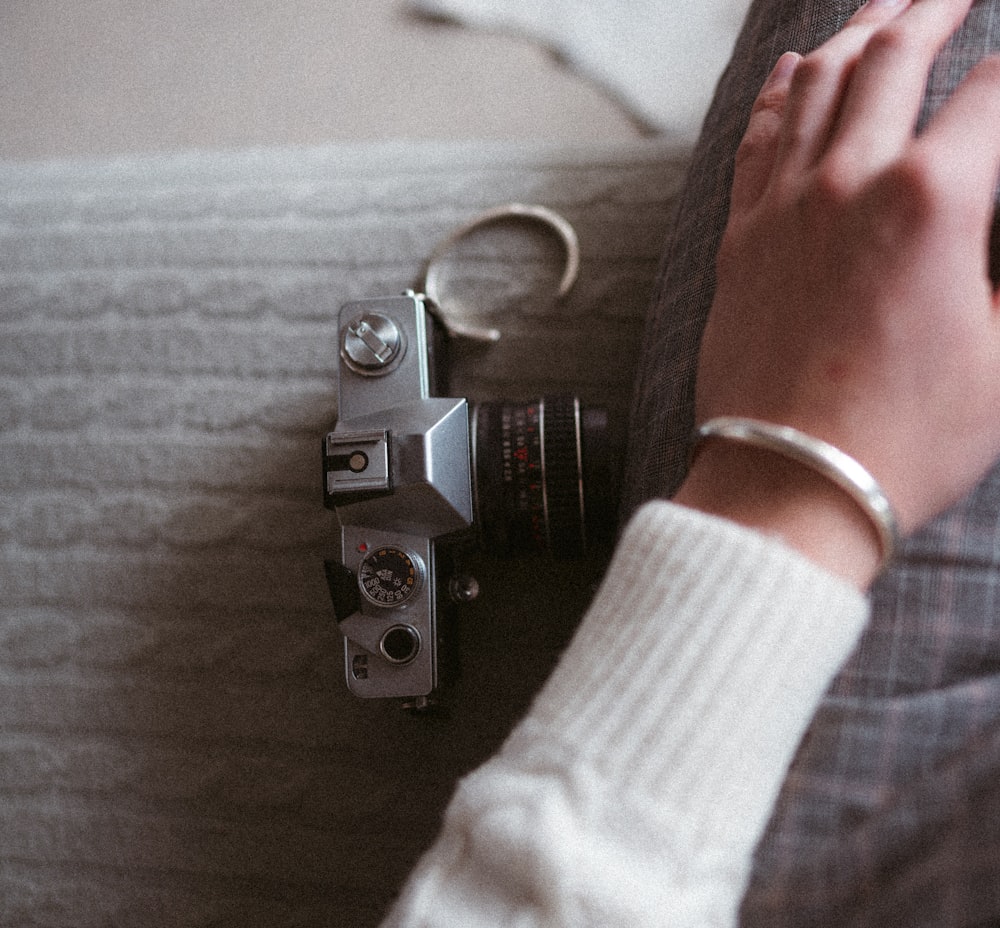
(389, 576)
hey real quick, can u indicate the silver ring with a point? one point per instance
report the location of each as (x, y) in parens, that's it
(517, 211)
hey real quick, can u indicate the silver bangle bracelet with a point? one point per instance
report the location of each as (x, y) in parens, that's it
(824, 458)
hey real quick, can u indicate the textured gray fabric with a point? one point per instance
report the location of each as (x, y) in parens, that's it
(891, 812)
(177, 746)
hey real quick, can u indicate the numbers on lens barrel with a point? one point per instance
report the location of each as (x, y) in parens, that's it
(389, 576)
(523, 475)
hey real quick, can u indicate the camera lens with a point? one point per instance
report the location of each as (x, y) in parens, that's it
(544, 476)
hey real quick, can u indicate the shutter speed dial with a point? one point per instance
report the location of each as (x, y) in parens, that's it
(389, 576)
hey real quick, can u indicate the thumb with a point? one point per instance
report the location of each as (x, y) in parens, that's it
(755, 156)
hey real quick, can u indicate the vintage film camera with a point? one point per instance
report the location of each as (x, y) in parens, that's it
(417, 477)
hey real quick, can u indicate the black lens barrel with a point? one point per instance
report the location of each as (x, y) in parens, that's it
(544, 476)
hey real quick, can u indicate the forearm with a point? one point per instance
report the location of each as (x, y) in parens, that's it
(637, 787)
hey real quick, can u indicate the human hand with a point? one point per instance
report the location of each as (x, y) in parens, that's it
(853, 299)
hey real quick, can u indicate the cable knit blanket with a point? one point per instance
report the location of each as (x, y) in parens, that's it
(660, 58)
(176, 744)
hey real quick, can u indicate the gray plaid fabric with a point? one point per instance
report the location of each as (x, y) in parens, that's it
(891, 812)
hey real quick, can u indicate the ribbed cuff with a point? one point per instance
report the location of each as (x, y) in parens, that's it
(697, 669)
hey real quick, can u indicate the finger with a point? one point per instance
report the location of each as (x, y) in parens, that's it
(883, 99)
(820, 81)
(962, 140)
(755, 156)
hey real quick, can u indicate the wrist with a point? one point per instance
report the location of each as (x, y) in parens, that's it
(778, 496)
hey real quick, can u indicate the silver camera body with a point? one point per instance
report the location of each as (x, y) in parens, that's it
(397, 470)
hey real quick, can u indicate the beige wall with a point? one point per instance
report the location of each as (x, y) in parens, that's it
(113, 76)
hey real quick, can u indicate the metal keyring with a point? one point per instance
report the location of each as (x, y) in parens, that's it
(517, 211)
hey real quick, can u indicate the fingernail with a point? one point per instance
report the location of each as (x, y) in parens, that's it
(785, 67)
(886, 3)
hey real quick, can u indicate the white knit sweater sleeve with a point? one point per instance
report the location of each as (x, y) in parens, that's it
(635, 790)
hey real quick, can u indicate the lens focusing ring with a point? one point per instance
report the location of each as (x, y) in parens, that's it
(529, 476)
(563, 475)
